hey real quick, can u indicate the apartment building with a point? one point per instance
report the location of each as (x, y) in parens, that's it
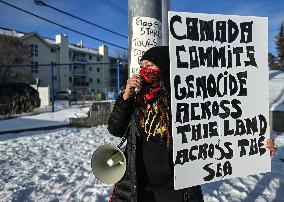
(87, 70)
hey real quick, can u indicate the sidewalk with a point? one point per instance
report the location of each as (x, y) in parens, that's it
(43, 120)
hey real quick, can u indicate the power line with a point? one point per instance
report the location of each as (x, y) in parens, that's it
(115, 6)
(55, 23)
(41, 3)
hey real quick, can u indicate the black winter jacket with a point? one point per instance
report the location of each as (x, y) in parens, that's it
(126, 189)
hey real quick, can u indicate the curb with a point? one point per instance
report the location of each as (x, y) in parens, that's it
(35, 129)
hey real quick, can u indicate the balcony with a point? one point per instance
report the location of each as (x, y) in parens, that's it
(79, 72)
(77, 83)
(79, 60)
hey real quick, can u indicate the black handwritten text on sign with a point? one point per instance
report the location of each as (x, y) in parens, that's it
(219, 81)
(147, 33)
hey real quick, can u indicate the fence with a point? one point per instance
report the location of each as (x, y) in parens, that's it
(49, 96)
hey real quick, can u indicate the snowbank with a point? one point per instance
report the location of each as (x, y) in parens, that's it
(276, 90)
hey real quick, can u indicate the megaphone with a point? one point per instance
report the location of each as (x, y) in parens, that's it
(108, 163)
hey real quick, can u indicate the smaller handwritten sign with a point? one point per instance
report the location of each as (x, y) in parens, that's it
(147, 33)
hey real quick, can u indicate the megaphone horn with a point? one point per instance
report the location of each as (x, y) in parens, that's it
(108, 163)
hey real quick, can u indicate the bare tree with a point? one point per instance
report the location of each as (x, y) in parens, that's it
(13, 51)
(123, 55)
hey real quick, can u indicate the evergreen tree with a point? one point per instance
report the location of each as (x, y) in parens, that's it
(272, 62)
(280, 47)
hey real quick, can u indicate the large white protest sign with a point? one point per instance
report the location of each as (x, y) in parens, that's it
(147, 33)
(220, 103)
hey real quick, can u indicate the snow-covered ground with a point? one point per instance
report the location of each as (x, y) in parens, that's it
(46, 117)
(51, 165)
(55, 166)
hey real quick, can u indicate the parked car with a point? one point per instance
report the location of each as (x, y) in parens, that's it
(72, 96)
(62, 95)
(17, 98)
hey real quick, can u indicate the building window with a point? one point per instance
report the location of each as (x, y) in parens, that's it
(98, 58)
(91, 80)
(98, 81)
(90, 57)
(34, 67)
(34, 50)
(70, 79)
(52, 50)
(54, 77)
(90, 68)
(98, 69)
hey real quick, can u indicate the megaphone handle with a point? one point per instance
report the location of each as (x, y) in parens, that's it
(124, 137)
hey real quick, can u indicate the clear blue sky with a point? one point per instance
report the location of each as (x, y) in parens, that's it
(112, 14)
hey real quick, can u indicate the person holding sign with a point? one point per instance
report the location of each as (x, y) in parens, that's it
(145, 106)
(150, 171)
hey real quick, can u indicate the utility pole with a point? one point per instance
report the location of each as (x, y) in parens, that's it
(165, 27)
(152, 10)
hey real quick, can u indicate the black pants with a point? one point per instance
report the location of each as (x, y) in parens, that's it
(161, 196)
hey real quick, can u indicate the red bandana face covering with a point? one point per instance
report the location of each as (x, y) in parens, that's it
(151, 79)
